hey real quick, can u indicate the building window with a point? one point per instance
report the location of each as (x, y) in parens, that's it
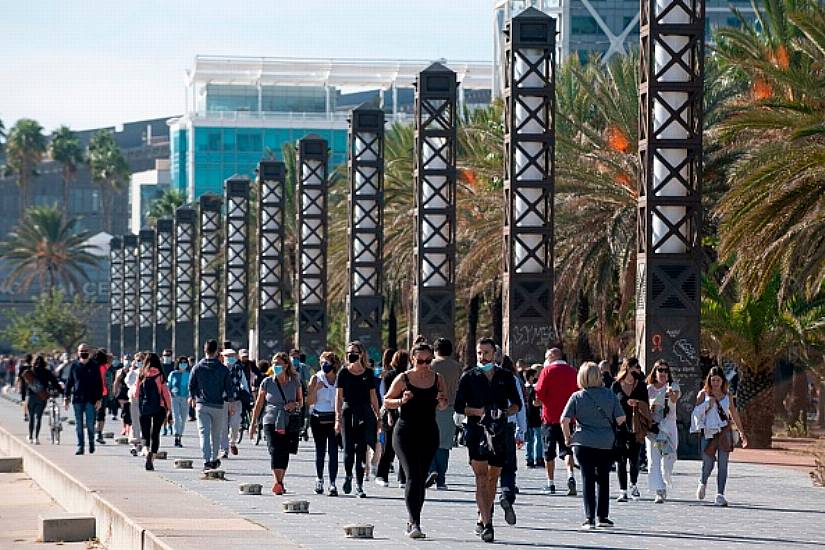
(84, 201)
(583, 24)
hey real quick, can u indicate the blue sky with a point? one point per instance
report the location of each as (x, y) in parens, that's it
(90, 63)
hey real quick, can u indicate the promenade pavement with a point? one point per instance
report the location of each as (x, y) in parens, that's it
(770, 507)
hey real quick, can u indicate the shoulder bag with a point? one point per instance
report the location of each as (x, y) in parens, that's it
(617, 445)
(296, 418)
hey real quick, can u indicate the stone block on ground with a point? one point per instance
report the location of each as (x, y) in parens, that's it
(108, 435)
(359, 531)
(161, 455)
(67, 527)
(183, 464)
(213, 474)
(250, 489)
(122, 440)
(11, 464)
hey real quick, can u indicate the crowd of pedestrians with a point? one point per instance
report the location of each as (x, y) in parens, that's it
(415, 405)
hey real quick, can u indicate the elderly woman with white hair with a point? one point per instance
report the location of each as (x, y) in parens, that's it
(597, 412)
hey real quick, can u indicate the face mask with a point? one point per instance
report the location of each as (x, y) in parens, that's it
(84, 354)
(296, 361)
(377, 371)
(231, 360)
(138, 364)
(278, 370)
(183, 366)
(486, 367)
(353, 357)
(326, 367)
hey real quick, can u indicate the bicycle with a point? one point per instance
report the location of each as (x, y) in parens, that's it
(55, 420)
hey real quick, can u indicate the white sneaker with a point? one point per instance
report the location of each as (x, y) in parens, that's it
(622, 497)
(380, 481)
(634, 492)
(700, 491)
(660, 498)
(720, 500)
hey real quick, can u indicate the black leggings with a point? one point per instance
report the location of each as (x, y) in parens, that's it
(631, 455)
(36, 407)
(595, 467)
(355, 446)
(326, 442)
(278, 445)
(388, 455)
(415, 445)
(151, 424)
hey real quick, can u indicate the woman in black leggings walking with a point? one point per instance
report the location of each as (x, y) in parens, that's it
(397, 365)
(415, 437)
(322, 421)
(357, 416)
(631, 390)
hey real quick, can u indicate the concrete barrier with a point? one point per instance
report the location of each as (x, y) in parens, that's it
(213, 474)
(359, 531)
(161, 455)
(67, 528)
(11, 464)
(296, 506)
(183, 464)
(250, 489)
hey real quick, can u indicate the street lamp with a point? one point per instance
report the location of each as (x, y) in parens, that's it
(669, 207)
(269, 329)
(236, 306)
(130, 293)
(435, 191)
(183, 331)
(209, 216)
(164, 284)
(310, 311)
(115, 295)
(529, 185)
(365, 301)
(146, 289)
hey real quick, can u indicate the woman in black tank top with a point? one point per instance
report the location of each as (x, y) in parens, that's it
(416, 393)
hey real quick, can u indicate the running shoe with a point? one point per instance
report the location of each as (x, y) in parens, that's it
(700, 491)
(431, 479)
(442, 487)
(721, 500)
(479, 528)
(359, 492)
(278, 488)
(588, 525)
(488, 534)
(622, 496)
(634, 492)
(571, 486)
(332, 491)
(234, 449)
(319, 486)
(549, 489)
(381, 482)
(347, 485)
(604, 522)
(659, 499)
(414, 531)
(509, 512)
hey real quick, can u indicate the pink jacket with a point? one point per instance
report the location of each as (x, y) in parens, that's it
(163, 389)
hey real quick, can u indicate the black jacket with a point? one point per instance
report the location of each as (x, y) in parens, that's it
(85, 385)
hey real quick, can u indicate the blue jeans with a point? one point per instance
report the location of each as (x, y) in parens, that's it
(87, 409)
(441, 460)
(180, 410)
(708, 462)
(211, 424)
(535, 449)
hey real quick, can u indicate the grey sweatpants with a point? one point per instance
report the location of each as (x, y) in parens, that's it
(211, 424)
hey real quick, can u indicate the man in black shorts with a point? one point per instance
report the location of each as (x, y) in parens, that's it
(487, 395)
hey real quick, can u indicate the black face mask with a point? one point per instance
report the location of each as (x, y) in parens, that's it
(84, 354)
(353, 357)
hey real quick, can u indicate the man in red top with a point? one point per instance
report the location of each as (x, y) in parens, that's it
(557, 382)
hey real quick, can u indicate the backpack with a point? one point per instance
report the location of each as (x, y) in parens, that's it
(149, 401)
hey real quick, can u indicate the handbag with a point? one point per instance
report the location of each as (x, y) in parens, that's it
(617, 444)
(324, 417)
(296, 418)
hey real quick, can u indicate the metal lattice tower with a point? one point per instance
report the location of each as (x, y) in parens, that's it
(365, 300)
(183, 333)
(529, 142)
(115, 295)
(146, 289)
(670, 210)
(164, 284)
(130, 293)
(310, 311)
(270, 319)
(435, 199)
(236, 287)
(209, 219)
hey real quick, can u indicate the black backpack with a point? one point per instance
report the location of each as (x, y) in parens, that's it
(149, 402)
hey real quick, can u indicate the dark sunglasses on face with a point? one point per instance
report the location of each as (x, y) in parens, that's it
(423, 361)
(663, 370)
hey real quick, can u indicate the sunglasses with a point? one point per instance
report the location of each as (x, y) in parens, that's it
(423, 361)
(663, 370)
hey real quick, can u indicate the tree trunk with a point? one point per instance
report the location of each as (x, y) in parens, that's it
(821, 411)
(799, 397)
(472, 331)
(756, 406)
(583, 350)
(496, 314)
(106, 198)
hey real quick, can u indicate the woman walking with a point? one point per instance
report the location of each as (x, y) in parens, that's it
(357, 415)
(662, 395)
(712, 416)
(321, 400)
(631, 390)
(597, 412)
(416, 393)
(279, 397)
(396, 366)
(39, 382)
(154, 402)
(179, 388)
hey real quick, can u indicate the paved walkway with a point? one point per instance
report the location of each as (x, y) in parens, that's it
(770, 507)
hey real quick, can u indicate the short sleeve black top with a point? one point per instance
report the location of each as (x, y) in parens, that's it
(639, 393)
(357, 387)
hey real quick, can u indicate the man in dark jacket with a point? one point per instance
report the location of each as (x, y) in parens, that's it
(84, 388)
(210, 388)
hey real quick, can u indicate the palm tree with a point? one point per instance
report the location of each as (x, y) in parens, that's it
(65, 148)
(46, 248)
(755, 332)
(109, 170)
(165, 205)
(771, 219)
(25, 148)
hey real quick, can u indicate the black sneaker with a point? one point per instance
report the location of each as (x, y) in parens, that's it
(604, 522)
(488, 535)
(79, 451)
(207, 466)
(359, 492)
(91, 449)
(216, 463)
(509, 512)
(531, 464)
(588, 525)
(347, 486)
(479, 528)
(431, 479)
(571, 486)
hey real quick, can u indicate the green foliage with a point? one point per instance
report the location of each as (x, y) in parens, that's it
(55, 322)
(46, 247)
(165, 205)
(25, 147)
(65, 148)
(109, 170)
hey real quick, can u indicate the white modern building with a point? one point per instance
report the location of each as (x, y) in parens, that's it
(144, 188)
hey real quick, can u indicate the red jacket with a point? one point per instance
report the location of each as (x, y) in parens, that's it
(163, 390)
(557, 382)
